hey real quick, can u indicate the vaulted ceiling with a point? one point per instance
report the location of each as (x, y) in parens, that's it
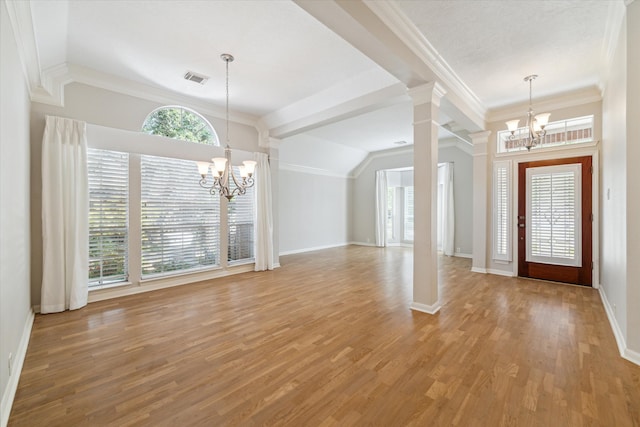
(334, 70)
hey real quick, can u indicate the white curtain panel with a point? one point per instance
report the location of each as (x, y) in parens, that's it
(264, 215)
(448, 217)
(65, 216)
(381, 208)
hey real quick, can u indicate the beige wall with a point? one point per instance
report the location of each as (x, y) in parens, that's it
(314, 211)
(15, 304)
(106, 108)
(614, 186)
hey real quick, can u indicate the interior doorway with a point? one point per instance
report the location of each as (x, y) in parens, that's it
(555, 220)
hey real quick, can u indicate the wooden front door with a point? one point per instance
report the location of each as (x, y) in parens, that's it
(555, 220)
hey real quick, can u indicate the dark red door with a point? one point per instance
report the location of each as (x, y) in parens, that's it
(555, 220)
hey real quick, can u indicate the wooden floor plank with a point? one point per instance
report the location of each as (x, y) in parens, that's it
(328, 339)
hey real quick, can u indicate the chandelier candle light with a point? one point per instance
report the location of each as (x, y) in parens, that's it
(222, 168)
(535, 123)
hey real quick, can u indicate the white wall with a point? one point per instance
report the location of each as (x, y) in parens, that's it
(15, 305)
(105, 108)
(633, 179)
(314, 211)
(614, 186)
(462, 196)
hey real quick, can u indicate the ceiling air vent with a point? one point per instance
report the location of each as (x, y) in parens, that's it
(195, 77)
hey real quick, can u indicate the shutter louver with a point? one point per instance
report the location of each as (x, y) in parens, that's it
(408, 214)
(501, 211)
(241, 227)
(108, 173)
(553, 215)
(180, 220)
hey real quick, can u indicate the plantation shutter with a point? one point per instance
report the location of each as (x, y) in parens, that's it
(553, 215)
(408, 214)
(241, 211)
(501, 211)
(108, 216)
(180, 219)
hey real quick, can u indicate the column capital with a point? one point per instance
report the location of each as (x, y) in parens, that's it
(427, 93)
(480, 137)
(480, 141)
(266, 141)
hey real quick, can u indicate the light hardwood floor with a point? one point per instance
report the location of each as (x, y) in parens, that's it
(328, 339)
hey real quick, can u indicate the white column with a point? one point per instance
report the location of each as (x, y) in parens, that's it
(426, 104)
(481, 184)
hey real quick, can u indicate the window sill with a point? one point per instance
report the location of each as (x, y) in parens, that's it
(110, 286)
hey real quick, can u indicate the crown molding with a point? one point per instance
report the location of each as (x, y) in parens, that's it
(22, 24)
(392, 16)
(113, 83)
(311, 170)
(565, 100)
(379, 154)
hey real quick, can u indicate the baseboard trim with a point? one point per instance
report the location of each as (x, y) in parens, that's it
(479, 270)
(12, 385)
(315, 248)
(617, 332)
(362, 244)
(626, 353)
(462, 255)
(632, 356)
(500, 272)
(424, 308)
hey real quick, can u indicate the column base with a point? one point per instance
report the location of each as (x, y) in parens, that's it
(424, 308)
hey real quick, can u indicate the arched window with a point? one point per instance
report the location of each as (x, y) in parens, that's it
(180, 123)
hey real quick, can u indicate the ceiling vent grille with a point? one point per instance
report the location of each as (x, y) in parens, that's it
(195, 77)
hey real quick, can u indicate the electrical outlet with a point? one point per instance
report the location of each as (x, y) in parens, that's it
(458, 250)
(614, 308)
(10, 363)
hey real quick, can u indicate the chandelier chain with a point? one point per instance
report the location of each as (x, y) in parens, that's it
(223, 174)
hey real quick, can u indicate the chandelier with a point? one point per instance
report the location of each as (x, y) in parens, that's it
(222, 170)
(535, 124)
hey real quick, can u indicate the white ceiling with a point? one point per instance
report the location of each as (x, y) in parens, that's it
(288, 56)
(493, 45)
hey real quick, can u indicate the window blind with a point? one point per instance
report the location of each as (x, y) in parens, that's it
(501, 211)
(180, 219)
(241, 212)
(108, 216)
(553, 217)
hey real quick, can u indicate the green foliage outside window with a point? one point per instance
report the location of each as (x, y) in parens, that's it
(180, 123)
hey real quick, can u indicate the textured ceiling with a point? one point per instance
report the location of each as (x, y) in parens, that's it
(493, 45)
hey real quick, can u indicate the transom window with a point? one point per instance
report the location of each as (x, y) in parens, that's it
(565, 132)
(180, 123)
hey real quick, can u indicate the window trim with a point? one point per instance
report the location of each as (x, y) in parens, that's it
(216, 139)
(136, 144)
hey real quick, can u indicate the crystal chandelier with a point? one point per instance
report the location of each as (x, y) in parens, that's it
(222, 171)
(535, 124)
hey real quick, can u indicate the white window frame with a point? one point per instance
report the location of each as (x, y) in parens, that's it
(499, 222)
(137, 144)
(576, 169)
